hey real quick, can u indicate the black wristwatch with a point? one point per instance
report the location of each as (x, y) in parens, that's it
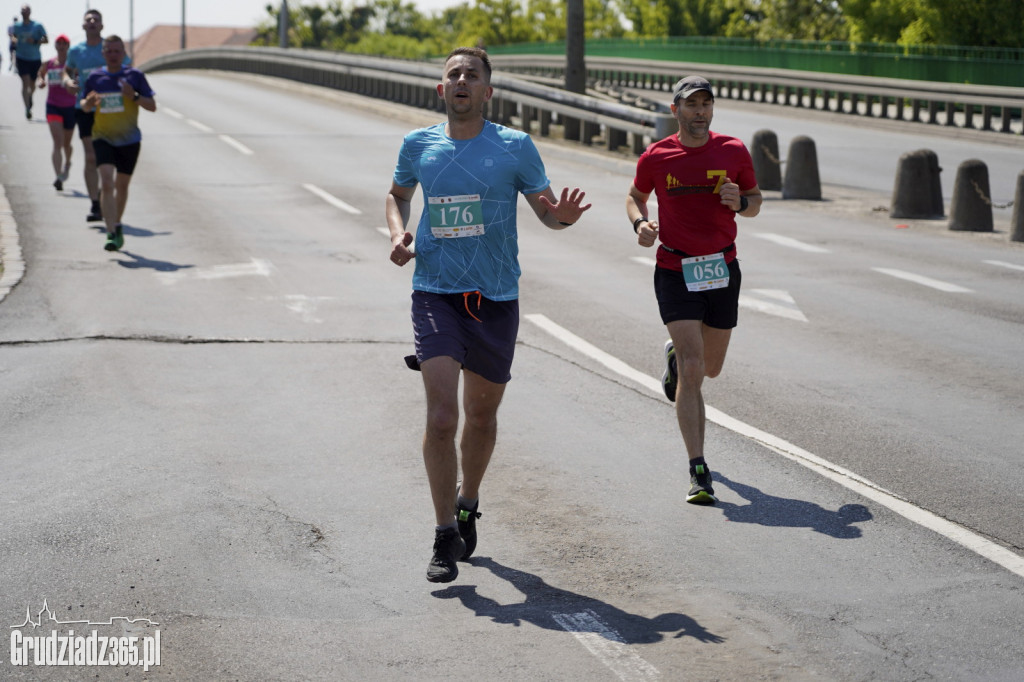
(743, 204)
(636, 223)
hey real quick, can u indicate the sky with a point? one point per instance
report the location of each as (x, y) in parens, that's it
(65, 16)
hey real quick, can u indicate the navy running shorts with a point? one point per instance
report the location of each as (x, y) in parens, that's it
(123, 158)
(66, 115)
(718, 308)
(477, 332)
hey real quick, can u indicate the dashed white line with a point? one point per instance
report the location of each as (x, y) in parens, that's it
(924, 281)
(1004, 264)
(790, 242)
(332, 200)
(171, 112)
(644, 260)
(962, 536)
(236, 144)
(199, 126)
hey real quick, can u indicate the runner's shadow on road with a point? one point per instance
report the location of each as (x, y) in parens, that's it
(769, 510)
(556, 609)
(139, 262)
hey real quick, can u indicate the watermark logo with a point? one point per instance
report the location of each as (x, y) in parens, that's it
(62, 646)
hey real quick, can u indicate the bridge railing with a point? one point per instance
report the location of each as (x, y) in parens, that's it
(980, 107)
(523, 99)
(516, 101)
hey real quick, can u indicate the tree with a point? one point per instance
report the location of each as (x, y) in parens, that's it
(801, 20)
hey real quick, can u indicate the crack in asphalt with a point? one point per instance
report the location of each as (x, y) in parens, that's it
(194, 340)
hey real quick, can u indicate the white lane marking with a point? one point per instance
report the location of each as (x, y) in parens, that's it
(171, 112)
(256, 267)
(606, 645)
(858, 484)
(1004, 264)
(925, 281)
(790, 242)
(199, 126)
(644, 260)
(384, 231)
(332, 200)
(236, 144)
(773, 302)
(304, 306)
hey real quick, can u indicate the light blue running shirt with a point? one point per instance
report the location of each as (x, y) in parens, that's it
(460, 180)
(86, 59)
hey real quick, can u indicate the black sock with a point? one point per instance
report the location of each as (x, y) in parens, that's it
(695, 462)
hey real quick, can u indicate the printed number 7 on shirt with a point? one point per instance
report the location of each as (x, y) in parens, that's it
(703, 273)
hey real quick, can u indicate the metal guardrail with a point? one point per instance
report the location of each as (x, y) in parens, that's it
(515, 101)
(948, 104)
(518, 101)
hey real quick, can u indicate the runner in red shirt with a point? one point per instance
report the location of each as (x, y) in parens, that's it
(702, 180)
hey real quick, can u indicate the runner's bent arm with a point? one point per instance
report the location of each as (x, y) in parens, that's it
(396, 211)
(730, 194)
(636, 208)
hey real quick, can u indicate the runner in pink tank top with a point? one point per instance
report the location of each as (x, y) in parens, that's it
(60, 110)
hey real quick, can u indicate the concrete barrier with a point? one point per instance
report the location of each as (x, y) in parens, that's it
(918, 189)
(764, 151)
(971, 207)
(1017, 221)
(802, 180)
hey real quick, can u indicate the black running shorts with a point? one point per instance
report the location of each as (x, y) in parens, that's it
(123, 158)
(716, 308)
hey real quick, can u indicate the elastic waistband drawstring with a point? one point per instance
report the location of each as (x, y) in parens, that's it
(465, 302)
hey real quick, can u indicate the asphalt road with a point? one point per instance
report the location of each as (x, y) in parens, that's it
(214, 430)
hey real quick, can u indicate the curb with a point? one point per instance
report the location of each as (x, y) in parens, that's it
(10, 248)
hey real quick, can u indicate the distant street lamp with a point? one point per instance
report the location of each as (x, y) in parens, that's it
(183, 24)
(282, 25)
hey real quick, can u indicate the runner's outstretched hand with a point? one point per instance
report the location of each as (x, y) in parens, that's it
(568, 209)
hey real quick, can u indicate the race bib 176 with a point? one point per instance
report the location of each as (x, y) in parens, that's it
(457, 216)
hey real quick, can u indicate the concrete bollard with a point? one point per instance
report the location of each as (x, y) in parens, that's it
(802, 180)
(918, 190)
(764, 151)
(1017, 221)
(971, 207)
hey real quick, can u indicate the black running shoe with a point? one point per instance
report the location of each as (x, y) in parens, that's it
(701, 491)
(467, 527)
(670, 379)
(448, 547)
(95, 214)
(58, 184)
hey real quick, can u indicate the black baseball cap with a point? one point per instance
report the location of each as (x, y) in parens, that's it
(689, 85)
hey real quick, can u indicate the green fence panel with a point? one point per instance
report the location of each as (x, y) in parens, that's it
(937, 63)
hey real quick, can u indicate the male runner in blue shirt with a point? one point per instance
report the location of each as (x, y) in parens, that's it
(465, 307)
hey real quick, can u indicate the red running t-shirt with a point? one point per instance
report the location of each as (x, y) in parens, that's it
(686, 181)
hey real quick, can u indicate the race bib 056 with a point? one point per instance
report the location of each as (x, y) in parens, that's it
(703, 273)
